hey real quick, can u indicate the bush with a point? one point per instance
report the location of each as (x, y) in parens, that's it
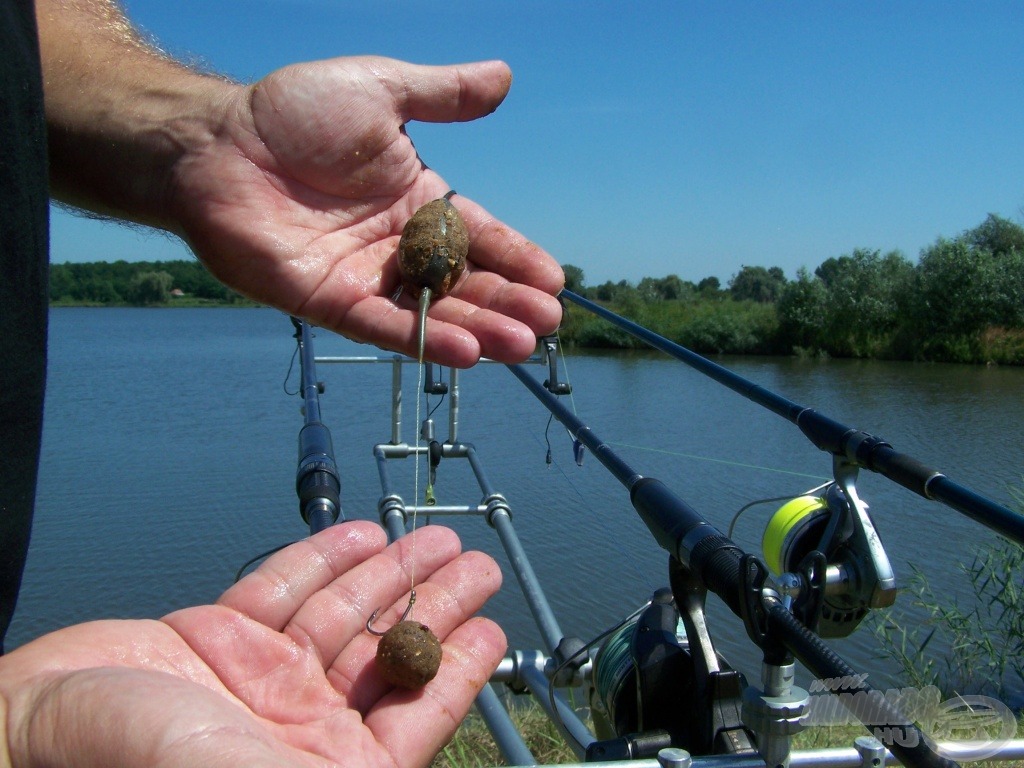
(149, 288)
(985, 642)
(1004, 346)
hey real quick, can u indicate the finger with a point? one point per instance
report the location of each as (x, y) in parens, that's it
(414, 725)
(497, 247)
(443, 603)
(329, 620)
(277, 589)
(380, 321)
(486, 316)
(500, 337)
(446, 94)
(458, 332)
(538, 310)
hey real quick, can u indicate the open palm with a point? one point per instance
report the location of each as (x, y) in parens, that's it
(280, 671)
(298, 195)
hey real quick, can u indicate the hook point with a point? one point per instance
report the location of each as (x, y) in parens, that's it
(405, 615)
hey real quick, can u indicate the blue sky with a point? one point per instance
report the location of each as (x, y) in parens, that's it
(686, 138)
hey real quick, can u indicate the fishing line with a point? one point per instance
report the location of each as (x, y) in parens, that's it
(431, 411)
(254, 560)
(572, 403)
(416, 471)
(727, 462)
(565, 368)
(291, 365)
(632, 560)
(547, 440)
(745, 507)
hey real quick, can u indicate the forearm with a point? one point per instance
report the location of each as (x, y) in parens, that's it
(119, 112)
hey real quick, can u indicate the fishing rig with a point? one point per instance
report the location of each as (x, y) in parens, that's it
(660, 693)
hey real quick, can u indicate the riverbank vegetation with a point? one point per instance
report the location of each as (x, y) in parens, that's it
(963, 301)
(983, 638)
(139, 283)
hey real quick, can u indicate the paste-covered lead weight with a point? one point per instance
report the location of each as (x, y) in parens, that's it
(433, 249)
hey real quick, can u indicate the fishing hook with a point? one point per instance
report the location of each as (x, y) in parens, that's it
(405, 615)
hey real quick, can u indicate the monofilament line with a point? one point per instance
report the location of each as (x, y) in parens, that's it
(421, 339)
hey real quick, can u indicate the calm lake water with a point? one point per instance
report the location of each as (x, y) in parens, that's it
(169, 459)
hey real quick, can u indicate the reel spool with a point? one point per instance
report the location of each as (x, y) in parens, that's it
(648, 691)
(794, 531)
(857, 573)
(639, 665)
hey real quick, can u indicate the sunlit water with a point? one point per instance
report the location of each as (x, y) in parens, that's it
(169, 459)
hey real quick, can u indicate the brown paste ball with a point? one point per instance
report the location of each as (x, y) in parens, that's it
(433, 249)
(408, 655)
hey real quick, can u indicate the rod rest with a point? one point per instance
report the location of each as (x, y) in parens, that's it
(552, 384)
(510, 669)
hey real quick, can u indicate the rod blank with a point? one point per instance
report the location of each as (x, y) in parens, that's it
(867, 451)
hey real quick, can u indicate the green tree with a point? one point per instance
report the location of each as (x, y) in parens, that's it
(757, 284)
(863, 293)
(803, 309)
(149, 288)
(674, 288)
(62, 283)
(195, 280)
(575, 280)
(710, 287)
(669, 288)
(957, 289)
(997, 235)
(616, 293)
(99, 289)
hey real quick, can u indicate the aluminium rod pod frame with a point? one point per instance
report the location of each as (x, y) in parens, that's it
(493, 507)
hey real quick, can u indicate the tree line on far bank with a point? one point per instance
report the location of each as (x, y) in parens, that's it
(141, 283)
(963, 301)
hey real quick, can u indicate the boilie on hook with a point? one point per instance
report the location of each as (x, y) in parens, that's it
(408, 654)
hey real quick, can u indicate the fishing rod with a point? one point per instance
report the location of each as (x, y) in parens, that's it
(316, 481)
(742, 582)
(854, 446)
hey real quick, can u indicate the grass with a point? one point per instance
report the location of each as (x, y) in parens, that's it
(473, 747)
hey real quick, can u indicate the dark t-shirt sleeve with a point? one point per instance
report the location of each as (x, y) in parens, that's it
(24, 207)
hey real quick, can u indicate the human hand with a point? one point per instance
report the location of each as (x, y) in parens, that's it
(299, 194)
(280, 672)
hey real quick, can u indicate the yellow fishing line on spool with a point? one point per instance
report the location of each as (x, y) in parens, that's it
(786, 525)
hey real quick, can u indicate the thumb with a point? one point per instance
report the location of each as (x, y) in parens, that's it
(449, 94)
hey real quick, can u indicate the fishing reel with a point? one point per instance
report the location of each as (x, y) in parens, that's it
(828, 557)
(658, 682)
